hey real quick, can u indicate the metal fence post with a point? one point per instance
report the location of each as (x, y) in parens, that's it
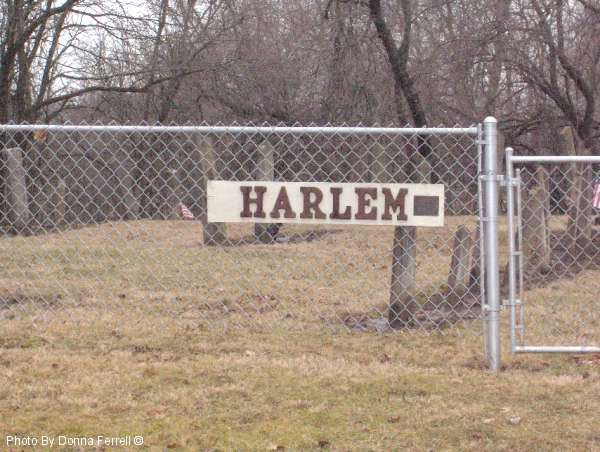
(492, 272)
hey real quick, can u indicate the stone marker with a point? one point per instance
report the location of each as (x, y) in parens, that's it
(50, 186)
(543, 176)
(475, 273)
(381, 166)
(265, 171)
(579, 209)
(460, 265)
(214, 233)
(18, 213)
(59, 203)
(124, 202)
(536, 250)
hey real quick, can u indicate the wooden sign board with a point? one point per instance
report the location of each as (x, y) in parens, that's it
(325, 203)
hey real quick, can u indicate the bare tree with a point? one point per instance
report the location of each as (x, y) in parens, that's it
(402, 304)
(555, 50)
(30, 30)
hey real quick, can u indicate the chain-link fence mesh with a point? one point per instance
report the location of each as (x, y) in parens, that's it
(558, 235)
(102, 223)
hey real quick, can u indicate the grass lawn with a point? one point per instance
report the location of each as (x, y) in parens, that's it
(134, 329)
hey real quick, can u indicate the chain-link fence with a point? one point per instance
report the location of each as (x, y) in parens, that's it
(103, 223)
(554, 238)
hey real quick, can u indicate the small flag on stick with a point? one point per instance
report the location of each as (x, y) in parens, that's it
(596, 198)
(185, 213)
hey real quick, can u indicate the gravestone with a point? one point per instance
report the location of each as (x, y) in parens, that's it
(18, 213)
(214, 233)
(128, 205)
(460, 265)
(579, 209)
(265, 171)
(475, 273)
(381, 166)
(536, 249)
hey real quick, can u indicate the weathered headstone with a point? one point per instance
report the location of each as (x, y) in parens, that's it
(154, 160)
(214, 233)
(460, 265)
(579, 228)
(169, 183)
(59, 203)
(265, 171)
(543, 177)
(51, 189)
(402, 289)
(381, 165)
(129, 205)
(384, 168)
(161, 192)
(18, 213)
(536, 249)
(475, 274)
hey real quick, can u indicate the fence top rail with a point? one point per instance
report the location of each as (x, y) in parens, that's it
(554, 159)
(241, 129)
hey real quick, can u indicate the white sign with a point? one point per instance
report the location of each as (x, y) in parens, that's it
(326, 203)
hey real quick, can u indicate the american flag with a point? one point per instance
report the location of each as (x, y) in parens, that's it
(185, 213)
(596, 198)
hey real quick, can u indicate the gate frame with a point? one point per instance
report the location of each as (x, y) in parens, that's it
(515, 257)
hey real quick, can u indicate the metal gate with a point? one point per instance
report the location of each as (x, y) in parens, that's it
(553, 246)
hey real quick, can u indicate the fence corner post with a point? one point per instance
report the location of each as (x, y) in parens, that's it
(492, 270)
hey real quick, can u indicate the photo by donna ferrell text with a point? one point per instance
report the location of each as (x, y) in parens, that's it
(96, 441)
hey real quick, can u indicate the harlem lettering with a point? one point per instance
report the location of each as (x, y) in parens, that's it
(312, 204)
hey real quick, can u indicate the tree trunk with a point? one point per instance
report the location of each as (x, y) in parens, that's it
(404, 250)
(335, 104)
(403, 304)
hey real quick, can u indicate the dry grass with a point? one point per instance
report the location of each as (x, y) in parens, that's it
(122, 346)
